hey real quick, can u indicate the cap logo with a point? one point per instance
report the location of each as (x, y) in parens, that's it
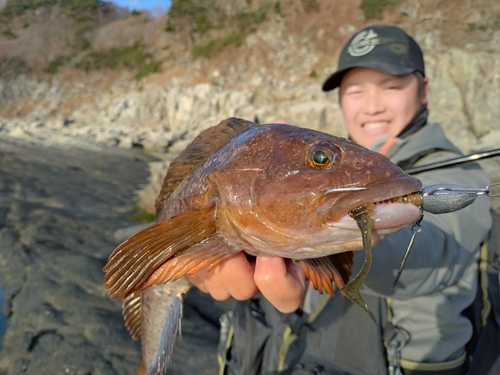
(363, 43)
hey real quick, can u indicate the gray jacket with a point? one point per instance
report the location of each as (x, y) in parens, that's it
(440, 277)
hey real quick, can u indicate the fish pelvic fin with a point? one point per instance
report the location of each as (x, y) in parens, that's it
(324, 271)
(200, 149)
(134, 261)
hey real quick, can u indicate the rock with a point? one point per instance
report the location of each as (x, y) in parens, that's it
(59, 210)
(150, 190)
(123, 233)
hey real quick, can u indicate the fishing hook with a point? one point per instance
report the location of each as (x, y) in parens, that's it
(416, 228)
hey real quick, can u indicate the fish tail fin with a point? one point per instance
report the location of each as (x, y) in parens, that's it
(161, 314)
(170, 330)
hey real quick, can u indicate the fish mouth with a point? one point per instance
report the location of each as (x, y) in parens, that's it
(393, 198)
(395, 213)
(388, 217)
(413, 198)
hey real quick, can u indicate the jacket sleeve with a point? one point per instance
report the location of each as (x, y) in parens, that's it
(446, 247)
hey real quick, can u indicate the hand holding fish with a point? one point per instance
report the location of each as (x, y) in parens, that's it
(232, 278)
(280, 280)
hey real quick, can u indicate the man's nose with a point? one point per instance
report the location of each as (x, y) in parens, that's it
(374, 103)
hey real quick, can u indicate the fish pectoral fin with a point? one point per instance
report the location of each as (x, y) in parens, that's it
(206, 254)
(324, 271)
(134, 261)
(131, 311)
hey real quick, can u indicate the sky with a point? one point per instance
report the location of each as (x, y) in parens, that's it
(143, 4)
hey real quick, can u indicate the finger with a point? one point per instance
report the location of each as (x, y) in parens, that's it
(198, 281)
(236, 274)
(207, 282)
(281, 281)
(280, 121)
(232, 278)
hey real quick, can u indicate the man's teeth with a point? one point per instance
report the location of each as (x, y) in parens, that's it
(375, 125)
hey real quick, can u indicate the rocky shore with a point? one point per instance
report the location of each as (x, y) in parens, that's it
(80, 150)
(59, 209)
(61, 205)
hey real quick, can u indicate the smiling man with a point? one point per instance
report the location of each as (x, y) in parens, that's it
(377, 104)
(383, 88)
(422, 327)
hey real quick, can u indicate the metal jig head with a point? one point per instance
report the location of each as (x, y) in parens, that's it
(445, 198)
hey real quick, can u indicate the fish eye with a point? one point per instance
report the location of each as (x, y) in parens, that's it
(321, 158)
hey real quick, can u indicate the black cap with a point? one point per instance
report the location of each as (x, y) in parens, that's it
(385, 48)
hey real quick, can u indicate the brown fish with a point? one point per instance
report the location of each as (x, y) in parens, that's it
(269, 189)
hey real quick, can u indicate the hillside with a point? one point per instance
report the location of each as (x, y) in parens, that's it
(127, 79)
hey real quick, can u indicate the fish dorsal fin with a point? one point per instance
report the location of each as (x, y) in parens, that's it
(135, 260)
(200, 149)
(323, 271)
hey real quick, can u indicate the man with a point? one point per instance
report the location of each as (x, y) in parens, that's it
(421, 326)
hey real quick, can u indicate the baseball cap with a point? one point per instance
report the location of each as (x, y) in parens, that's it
(384, 48)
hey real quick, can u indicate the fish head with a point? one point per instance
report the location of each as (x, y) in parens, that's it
(285, 189)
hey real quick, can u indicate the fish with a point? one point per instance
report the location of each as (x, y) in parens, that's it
(264, 189)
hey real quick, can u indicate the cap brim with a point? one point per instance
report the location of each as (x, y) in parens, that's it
(334, 80)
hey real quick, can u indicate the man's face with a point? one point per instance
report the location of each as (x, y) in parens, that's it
(376, 104)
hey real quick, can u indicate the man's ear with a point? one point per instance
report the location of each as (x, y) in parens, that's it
(425, 91)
